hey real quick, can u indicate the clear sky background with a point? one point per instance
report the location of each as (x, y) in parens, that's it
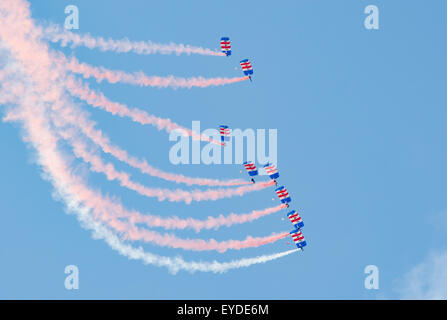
(361, 119)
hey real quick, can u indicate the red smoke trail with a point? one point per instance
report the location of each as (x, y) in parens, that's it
(197, 225)
(139, 78)
(176, 195)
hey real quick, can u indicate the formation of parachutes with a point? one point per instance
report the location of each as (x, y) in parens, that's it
(284, 197)
(47, 101)
(270, 169)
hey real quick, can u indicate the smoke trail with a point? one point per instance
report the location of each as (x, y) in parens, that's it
(130, 232)
(99, 138)
(55, 34)
(17, 29)
(94, 200)
(139, 78)
(97, 99)
(133, 233)
(97, 165)
(57, 172)
(169, 240)
(161, 194)
(66, 116)
(197, 225)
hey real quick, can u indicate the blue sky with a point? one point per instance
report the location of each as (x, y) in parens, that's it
(361, 133)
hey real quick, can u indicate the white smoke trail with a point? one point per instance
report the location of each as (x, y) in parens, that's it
(55, 34)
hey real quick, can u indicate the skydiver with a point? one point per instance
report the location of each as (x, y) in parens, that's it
(253, 180)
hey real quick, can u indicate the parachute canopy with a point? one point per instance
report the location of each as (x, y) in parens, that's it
(251, 168)
(271, 171)
(296, 220)
(283, 194)
(298, 238)
(246, 67)
(225, 45)
(225, 133)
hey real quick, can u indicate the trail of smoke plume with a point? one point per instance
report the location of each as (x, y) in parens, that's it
(111, 173)
(57, 172)
(11, 88)
(97, 99)
(55, 34)
(80, 150)
(197, 225)
(169, 240)
(17, 28)
(93, 199)
(139, 78)
(67, 117)
(99, 138)
(161, 194)
(133, 233)
(151, 220)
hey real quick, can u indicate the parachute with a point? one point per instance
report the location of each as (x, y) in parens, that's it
(283, 194)
(246, 67)
(298, 238)
(296, 220)
(251, 169)
(225, 133)
(271, 171)
(225, 45)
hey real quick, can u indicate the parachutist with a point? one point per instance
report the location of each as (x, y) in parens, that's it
(225, 134)
(251, 169)
(225, 45)
(298, 238)
(272, 172)
(246, 68)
